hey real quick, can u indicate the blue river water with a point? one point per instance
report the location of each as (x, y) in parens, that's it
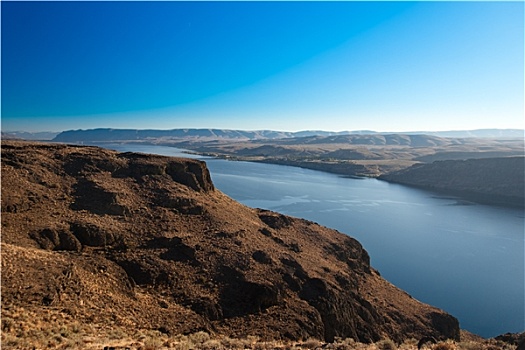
(465, 258)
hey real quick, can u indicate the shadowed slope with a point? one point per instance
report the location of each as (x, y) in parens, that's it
(491, 180)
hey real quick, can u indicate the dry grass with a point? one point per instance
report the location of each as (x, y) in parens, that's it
(24, 329)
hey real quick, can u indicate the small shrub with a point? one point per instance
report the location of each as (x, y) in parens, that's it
(152, 344)
(311, 343)
(73, 344)
(10, 342)
(212, 344)
(263, 346)
(411, 342)
(495, 347)
(387, 344)
(444, 346)
(180, 346)
(344, 344)
(252, 339)
(7, 324)
(470, 346)
(199, 338)
(117, 333)
(232, 343)
(64, 332)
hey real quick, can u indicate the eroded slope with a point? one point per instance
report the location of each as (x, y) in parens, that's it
(147, 242)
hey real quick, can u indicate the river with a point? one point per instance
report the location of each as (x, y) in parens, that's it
(465, 258)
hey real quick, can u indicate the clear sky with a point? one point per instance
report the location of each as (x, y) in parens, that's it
(384, 66)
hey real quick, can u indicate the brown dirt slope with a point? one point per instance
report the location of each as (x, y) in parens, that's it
(146, 242)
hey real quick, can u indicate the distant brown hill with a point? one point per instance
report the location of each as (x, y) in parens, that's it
(146, 242)
(490, 180)
(368, 155)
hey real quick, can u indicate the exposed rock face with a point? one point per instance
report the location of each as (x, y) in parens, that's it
(490, 180)
(516, 339)
(147, 242)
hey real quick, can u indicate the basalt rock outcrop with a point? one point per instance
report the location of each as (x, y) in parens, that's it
(147, 242)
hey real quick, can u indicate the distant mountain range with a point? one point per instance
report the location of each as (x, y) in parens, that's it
(25, 135)
(142, 134)
(138, 134)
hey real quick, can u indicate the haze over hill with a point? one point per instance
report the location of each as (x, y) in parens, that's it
(102, 134)
(25, 135)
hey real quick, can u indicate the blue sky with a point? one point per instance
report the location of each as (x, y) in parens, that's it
(384, 66)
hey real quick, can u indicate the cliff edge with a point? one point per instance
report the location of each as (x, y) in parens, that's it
(147, 242)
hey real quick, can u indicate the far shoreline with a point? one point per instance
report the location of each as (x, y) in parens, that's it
(350, 170)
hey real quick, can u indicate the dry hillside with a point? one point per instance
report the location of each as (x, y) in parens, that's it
(490, 180)
(146, 242)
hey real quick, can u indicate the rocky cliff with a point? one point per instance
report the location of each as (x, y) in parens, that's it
(146, 242)
(490, 180)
